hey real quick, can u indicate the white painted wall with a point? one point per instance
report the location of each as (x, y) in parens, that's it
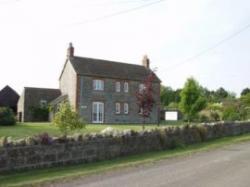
(68, 83)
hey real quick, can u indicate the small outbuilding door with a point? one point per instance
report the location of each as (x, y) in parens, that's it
(20, 116)
(97, 112)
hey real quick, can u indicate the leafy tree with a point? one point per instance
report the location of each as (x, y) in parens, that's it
(221, 94)
(210, 95)
(192, 99)
(67, 120)
(231, 95)
(167, 95)
(7, 116)
(245, 91)
(217, 96)
(145, 100)
(173, 105)
(177, 98)
(245, 99)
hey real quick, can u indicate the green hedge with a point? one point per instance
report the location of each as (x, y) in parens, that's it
(7, 117)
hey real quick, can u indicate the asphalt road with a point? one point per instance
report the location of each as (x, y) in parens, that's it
(228, 166)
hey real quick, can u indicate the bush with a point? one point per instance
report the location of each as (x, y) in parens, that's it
(215, 116)
(40, 139)
(39, 113)
(67, 119)
(7, 116)
(45, 139)
(203, 118)
(230, 114)
(208, 115)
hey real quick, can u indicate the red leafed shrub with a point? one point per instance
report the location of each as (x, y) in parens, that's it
(145, 100)
(45, 139)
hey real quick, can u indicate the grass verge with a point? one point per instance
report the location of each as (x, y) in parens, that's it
(43, 176)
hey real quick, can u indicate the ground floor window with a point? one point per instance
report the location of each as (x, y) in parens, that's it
(117, 108)
(125, 108)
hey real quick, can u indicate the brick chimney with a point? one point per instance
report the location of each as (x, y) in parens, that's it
(70, 51)
(146, 61)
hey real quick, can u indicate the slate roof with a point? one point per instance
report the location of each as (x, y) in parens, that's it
(35, 89)
(8, 97)
(109, 69)
(49, 94)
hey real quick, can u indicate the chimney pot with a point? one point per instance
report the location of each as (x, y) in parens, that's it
(70, 51)
(146, 61)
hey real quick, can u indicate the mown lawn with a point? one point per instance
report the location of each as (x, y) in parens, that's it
(22, 130)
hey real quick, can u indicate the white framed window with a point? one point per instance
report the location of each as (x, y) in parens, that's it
(43, 103)
(97, 112)
(117, 86)
(117, 108)
(98, 84)
(126, 87)
(141, 87)
(125, 108)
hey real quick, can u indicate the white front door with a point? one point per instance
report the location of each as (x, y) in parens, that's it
(97, 112)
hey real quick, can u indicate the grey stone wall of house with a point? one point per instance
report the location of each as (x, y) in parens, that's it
(68, 83)
(31, 98)
(109, 97)
(97, 148)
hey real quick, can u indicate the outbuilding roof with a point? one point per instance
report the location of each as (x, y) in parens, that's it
(8, 97)
(35, 94)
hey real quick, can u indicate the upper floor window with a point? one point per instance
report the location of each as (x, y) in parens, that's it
(117, 86)
(117, 108)
(125, 108)
(126, 87)
(141, 87)
(98, 84)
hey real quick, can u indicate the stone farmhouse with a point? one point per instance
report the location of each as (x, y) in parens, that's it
(101, 91)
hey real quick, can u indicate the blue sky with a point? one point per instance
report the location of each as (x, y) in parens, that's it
(34, 36)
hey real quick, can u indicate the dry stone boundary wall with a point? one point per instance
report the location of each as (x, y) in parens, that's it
(95, 148)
